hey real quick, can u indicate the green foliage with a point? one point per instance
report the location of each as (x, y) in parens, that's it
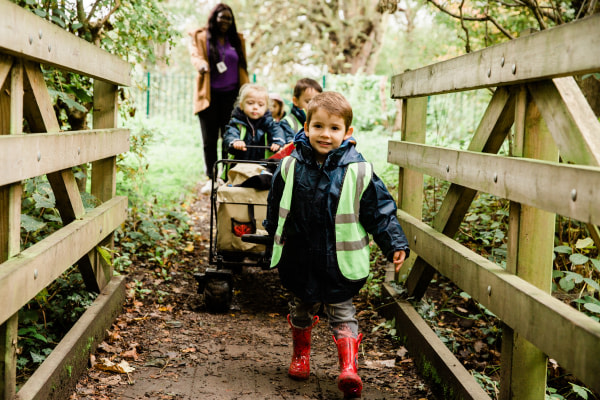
(45, 319)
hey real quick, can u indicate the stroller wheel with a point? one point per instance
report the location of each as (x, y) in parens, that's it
(218, 294)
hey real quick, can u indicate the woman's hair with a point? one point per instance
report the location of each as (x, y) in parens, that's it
(333, 103)
(248, 88)
(232, 37)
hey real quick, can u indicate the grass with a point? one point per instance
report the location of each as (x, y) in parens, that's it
(172, 161)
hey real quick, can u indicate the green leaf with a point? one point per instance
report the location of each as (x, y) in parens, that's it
(592, 283)
(574, 276)
(37, 358)
(105, 254)
(31, 224)
(40, 12)
(596, 263)
(566, 284)
(57, 21)
(43, 201)
(578, 259)
(563, 249)
(584, 243)
(595, 308)
(579, 390)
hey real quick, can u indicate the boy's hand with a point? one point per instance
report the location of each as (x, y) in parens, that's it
(399, 257)
(239, 145)
(275, 147)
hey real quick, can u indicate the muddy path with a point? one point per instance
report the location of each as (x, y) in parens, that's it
(166, 345)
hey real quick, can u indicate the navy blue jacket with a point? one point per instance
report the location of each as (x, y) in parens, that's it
(255, 134)
(308, 266)
(289, 130)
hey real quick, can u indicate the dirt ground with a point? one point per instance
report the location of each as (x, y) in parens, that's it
(166, 345)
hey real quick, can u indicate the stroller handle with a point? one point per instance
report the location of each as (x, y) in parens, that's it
(257, 238)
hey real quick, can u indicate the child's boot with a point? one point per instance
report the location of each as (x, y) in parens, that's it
(349, 382)
(300, 365)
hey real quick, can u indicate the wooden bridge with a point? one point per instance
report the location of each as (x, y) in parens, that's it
(536, 102)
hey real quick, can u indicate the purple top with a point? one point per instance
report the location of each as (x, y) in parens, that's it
(228, 80)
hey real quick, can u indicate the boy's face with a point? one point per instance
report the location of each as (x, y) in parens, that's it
(254, 105)
(326, 132)
(305, 98)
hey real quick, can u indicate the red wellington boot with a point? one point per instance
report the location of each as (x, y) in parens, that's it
(300, 365)
(349, 382)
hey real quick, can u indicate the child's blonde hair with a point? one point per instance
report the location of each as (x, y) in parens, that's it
(248, 88)
(333, 103)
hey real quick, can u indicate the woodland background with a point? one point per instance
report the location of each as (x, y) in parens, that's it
(353, 46)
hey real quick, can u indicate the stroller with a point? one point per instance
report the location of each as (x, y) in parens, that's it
(237, 236)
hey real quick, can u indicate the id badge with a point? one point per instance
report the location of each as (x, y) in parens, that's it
(221, 67)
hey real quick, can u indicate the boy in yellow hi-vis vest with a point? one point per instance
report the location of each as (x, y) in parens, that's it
(324, 200)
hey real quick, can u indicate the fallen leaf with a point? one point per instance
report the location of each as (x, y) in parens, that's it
(122, 368)
(130, 354)
(189, 350)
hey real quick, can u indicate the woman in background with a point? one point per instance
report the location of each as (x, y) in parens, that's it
(218, 54)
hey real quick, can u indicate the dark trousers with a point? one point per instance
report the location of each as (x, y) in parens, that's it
(212, 124)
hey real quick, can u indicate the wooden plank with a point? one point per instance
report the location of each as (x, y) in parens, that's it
(489, 136)
(574, 191)
(16, 95)
(530, 244)
(569, 49)
(5, 65)
(410, 190)
(8, 357)
(11, 122)
(26, 35)
(27, 156)
(104, 172)
(570, 119)
(55, 379)
(66, 193)
(24, 275)
(104, 181)
(434, 360)
(575, 339)
(410, 183)
(70, 206)
(39, 104)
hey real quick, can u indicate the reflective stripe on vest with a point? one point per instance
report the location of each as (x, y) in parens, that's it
(242, 129)
(293, 121)
(352, 241)
(287, 171)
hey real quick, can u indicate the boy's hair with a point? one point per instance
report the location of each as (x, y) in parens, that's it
(248, 88)
(333, 103)
(306, 83)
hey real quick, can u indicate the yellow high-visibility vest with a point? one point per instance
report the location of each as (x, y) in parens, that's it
(351, 239)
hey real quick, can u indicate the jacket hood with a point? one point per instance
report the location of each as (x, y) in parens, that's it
(239, 117)
(343, 155)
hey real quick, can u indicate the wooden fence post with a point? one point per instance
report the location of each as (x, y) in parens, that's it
(11, 121)
(410, 183)
(530, 246)
(104, 172)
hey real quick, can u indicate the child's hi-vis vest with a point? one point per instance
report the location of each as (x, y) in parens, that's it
(242, 129)
(351, 240)
(293, 121)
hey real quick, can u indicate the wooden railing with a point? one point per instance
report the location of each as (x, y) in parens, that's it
(26, 41)
(537, 101)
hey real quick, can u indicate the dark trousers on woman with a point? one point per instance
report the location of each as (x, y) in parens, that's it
(212, 124)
